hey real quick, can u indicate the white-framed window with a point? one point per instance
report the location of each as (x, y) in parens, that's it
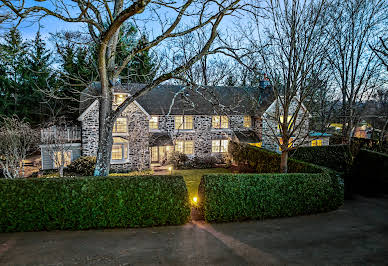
(247, 121)
(154, 122)
(119, 149)
(220, 145)
(184, 122)
(316, 142)
(121, 125)
(184, 146)
(220, 121)
(57, 158)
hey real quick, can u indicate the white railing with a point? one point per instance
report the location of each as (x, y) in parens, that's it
(55, 133)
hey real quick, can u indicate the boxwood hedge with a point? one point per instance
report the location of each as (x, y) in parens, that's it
(235, 197)
(336, 157)
(369, 173)
(265, 161)
(92, 202)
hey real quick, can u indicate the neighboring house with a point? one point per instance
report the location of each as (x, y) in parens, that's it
(195, 121)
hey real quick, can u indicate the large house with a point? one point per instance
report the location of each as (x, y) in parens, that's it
(196, 121)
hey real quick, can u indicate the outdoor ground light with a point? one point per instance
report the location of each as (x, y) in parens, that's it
(195, 199)
(170, 169)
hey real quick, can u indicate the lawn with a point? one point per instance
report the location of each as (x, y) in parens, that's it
(193, 177)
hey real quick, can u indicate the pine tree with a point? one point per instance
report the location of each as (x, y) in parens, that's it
(13, 52)
(37, 80)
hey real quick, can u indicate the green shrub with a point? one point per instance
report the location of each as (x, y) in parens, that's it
(265, 161)
(177, 159)
(92, 202)
(369, 174)
(83, 166)
(235, 197)
(336, 157)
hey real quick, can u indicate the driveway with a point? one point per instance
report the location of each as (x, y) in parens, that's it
(356, 234)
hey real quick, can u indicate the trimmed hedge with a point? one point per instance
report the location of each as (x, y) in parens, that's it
(236, 197)
(92, 202)
(265, 161)
(336, 157)
(369, 173)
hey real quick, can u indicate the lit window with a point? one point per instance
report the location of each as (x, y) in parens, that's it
(183, 122)
(258, 144)
(290, 143)
(186, 147)
(220, 145)
(58, 158)
(179, 146)
(120, 125)
(317, 142)
(220, 121)
(154, 122)
(119, 149)
(119, 98)
(281, 118)
(189, 147)
(247, 121)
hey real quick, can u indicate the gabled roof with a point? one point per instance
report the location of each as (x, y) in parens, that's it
(179, 99)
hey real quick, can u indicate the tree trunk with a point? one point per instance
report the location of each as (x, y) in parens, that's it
(105, 142)
(283, 161)
(61, 171)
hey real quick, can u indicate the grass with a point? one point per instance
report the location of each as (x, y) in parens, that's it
(192, 178)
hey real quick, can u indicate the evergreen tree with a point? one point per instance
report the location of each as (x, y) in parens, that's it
(13, 52)
(38, 79)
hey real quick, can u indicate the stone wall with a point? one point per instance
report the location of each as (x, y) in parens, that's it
(137, 136)
(90, 123)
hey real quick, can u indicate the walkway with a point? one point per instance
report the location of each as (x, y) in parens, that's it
(356, 234)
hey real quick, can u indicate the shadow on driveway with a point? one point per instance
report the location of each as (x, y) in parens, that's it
(357, 233)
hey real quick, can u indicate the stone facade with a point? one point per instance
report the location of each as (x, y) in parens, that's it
(270, 125)
(202, 134)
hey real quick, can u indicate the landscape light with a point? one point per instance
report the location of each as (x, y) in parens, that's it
(195, 199)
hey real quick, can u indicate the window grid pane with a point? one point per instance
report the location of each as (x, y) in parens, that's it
(179, 146)
(215, 146)
(224, 145)
(178, 122)
(216, 121)
(224, 122)
(117, 152)
(120, 125)
(154, 122)
(188, 147)
(188, 122)
(58, 158)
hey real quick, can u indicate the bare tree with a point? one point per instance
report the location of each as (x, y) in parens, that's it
(286, 46)
(104, 19)
(17, 140)
(356, 70)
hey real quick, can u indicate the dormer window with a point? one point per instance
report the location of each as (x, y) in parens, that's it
(154, 122)
(247, 121)
(183, 122)
(220, 121)
(119, 98)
